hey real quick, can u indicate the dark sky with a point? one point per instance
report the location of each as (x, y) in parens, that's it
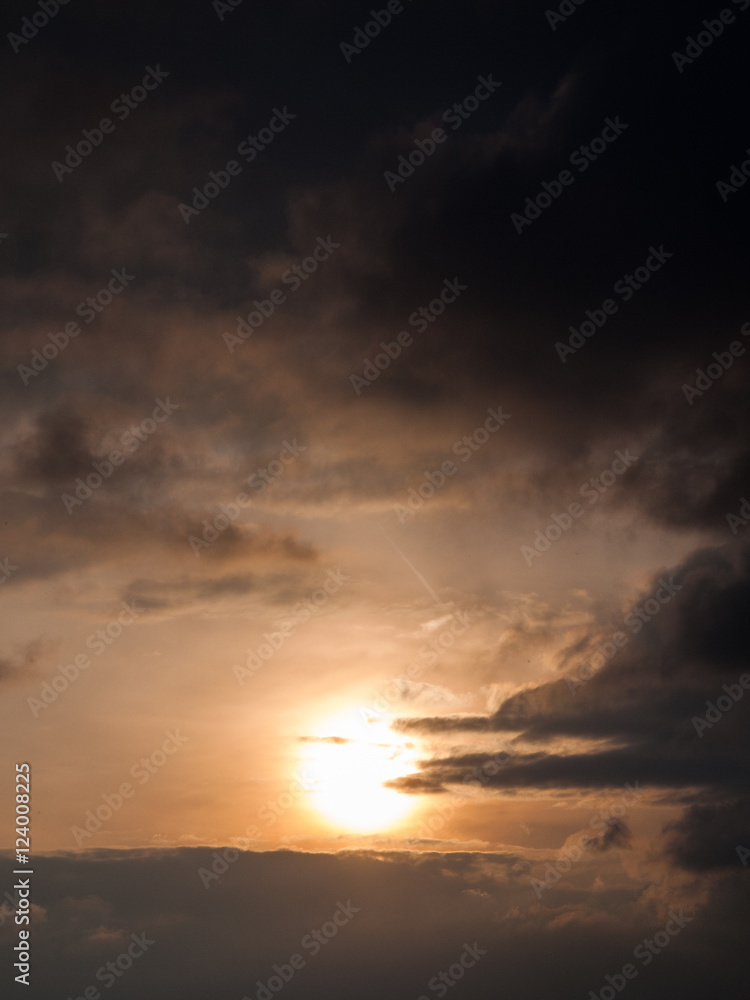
(376, 417)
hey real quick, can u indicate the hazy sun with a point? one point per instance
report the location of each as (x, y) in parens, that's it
(347, 759)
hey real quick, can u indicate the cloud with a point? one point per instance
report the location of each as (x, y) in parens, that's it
(707, 836)
(418, 909)
(57, 451)
(338, 740)
(640, 707)
(618, 834)
(25, 661)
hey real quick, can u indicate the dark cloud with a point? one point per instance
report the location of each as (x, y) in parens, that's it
(708, 836)
(693, 643)
(635, 718)
(618, 835)
(420, 911)
(122, 210)
(57, 452)
(649, 702)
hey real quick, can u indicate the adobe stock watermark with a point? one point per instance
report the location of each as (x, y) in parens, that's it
(8, 907)
(724, 703)
(625, 287)
(228, 856)
(295, 277)
(645, 953)
(635, 620)
(364, 35)
(420, 319)
(582, 158)
(249, 148)
(599, 822)
(465, 448)
(110, 972)
(276, 467)
(455, 116)
(593, 489)
(7, 569)
(735, 521)
(312, 943)
(94, 137)
(212, 530)
(260, 480)
(431, 652)
(442, 982)
(30, 26)
(302, 612)
(696, 46)
(479, 776)
(95, 818)
(737, 178)
(300, 785)
(67, 673)
(566, 9)
(131, 441)
(88, 309)
(713, 372)
(392, 693)
(224, 7)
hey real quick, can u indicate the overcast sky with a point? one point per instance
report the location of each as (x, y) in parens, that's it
(375, 476)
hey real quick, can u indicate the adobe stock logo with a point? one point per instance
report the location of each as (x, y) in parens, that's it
(695, 47)
(625, 287)
(723, 361)
(363, 36)
(302, 612)
(593, 489)
(582, 158)
(295, 277)
(6, 569)
(94, 137)
(724, 703)
(88, 308)
(735, 521)
(566, 9)
(30, 26)
(469, 957)
(222, 9)
(420, 319)
(131, 442)
(737, 179)
(645, 953)
(221, 179)
(455, 116)
(465, 448)
(635, 620)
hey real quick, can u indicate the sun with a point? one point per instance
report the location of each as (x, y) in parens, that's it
(346, 762)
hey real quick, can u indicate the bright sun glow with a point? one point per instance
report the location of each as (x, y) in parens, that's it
(347, 759)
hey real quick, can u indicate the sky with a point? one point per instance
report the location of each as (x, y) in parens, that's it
(373, 535)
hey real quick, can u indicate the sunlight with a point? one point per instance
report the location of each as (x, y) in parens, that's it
(347, 760)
